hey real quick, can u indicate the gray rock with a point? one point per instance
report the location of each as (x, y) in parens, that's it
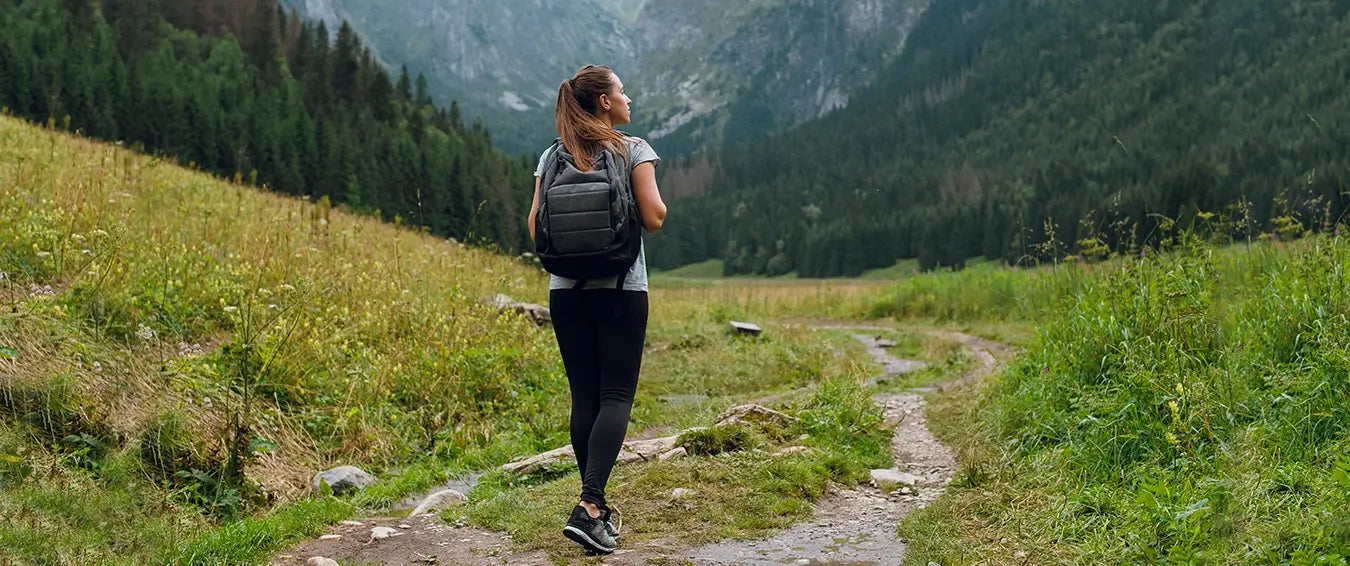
(746, 328)
(887, 480)
(536, 464)
(381, 533)
(343, 480)
(321, 561)
(438, 501)
(754, 414)
(673, 454)
(681, 493)
(539, 314)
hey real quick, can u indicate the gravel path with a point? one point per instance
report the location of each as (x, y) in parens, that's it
(849, 528)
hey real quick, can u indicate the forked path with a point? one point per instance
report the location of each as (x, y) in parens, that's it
(858, 527)
(854, 527)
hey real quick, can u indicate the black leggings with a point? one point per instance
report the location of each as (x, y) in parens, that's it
(600, 334)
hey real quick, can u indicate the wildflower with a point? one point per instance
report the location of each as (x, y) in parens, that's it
(1172, 438)
(206, 402)
(99, 233)
(1180, 390)
(145, 332)
(97, 367)
(77, 237)
(286, 287)
(231, 309)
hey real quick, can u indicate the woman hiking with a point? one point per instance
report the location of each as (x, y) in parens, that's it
(600, 323)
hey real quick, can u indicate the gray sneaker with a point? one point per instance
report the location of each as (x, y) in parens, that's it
(610, 523)
(589, 532)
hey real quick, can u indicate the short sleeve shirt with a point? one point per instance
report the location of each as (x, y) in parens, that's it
(641, 152)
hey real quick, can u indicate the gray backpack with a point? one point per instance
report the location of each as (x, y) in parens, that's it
(588, 225)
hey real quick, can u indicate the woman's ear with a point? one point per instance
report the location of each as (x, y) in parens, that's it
(603, 103)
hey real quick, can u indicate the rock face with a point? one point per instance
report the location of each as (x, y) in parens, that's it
(343, 480)
(704, 73)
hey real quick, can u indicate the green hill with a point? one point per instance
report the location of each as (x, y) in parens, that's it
(1028, 131)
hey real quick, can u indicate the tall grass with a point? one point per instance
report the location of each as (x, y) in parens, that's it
(1190, 407)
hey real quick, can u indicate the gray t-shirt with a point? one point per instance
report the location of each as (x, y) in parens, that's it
(641, 152)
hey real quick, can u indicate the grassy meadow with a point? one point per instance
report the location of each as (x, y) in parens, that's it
(179, 354)
(1184, 408)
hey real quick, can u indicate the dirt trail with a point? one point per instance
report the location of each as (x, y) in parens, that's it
(849, 528)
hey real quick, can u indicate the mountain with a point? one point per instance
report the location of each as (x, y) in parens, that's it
(1029, 131)
(704, 74)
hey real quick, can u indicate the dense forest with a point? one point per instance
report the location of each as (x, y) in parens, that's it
(244, 89)
(1032, 131)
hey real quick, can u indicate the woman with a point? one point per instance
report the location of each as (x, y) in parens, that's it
(600, 328)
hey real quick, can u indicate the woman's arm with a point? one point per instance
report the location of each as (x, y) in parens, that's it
(650, 205)
(534, 208)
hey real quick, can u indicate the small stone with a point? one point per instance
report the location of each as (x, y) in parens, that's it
(803, 561)
(381, 533)
(438, 501)
(681, 493)
(405, 526)
(906, 490)
(746, 328)
(321, 561)
(352, 524)
(330, 537)
(1021, 554)
(343, 480)
(673, 454)
(934, 564)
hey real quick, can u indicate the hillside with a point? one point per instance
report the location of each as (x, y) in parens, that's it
(239, 89)
(180, 354)
(1030, 132)
(157, 322)
(703, 74)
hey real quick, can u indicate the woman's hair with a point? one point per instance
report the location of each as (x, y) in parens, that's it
(583, 134)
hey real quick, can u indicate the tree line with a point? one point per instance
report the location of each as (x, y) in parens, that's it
(245, 89)
(1027, 132)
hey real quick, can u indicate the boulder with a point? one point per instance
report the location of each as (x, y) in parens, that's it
(343, 480)
(321, 561)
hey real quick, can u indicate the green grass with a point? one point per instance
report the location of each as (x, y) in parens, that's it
(741, 493)
(711, 269)
(146, 309)
(1192, 408)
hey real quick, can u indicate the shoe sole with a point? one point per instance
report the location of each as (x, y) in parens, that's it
(580, 537)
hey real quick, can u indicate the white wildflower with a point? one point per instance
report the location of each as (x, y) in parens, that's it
(286, 287)
(206, 402)
(98, 368)
(99, 233)
(77, 237)
(145, 332)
